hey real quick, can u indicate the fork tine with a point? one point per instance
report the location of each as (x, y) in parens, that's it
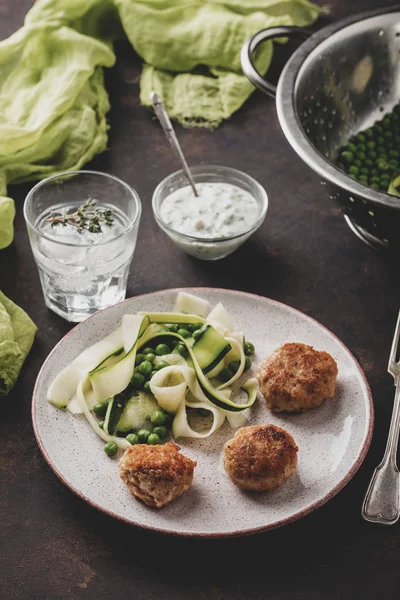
(393, 351)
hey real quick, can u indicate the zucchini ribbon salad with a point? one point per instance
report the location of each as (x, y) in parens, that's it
(160, 372)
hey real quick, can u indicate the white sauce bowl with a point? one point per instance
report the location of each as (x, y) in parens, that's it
(202, 247)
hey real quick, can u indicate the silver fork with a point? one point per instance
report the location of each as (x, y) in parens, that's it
(382, 500)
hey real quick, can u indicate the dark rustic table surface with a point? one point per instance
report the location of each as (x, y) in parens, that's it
(52, 544)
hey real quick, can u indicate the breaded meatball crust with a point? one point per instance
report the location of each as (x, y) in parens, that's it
(156, 474)
(297, 377)
(260, 457)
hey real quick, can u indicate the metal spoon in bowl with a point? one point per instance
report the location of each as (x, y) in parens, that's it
(166, 124)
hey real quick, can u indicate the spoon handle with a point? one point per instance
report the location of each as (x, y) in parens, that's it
(166, 124)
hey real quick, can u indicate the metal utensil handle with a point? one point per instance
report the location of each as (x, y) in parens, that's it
(382, 500)
(166, 124)
(249, 47)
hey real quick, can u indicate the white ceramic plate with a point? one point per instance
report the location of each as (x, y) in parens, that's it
(333, 439)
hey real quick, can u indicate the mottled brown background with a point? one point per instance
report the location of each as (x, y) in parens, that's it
(53, 545)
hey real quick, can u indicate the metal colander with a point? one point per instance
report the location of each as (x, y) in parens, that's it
(340, 81)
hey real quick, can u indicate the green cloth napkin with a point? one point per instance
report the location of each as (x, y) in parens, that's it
(53, 103)
(17, 332)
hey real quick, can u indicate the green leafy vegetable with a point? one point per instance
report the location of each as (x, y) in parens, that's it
(17, 332)
(7, 213)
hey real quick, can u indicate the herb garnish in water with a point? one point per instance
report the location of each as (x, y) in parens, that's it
(87, 217)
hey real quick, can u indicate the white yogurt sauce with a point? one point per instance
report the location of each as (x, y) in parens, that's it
(221, 210)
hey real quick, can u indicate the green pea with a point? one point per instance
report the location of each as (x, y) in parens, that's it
(183, 351)
(347, 156)
(161, 365)
(162, 349)
(364, 171)
(100, 409)
(101, 424)
(153, 439)
(361, 137)
(161, 431)
(352, 148)
(194, 327)
(133, 438)
(372, 154)
(353, 169)
(148, 350)
(137, 381)
(172, 327)
(234, 366)
(150, 357)
(184, 333)
(369, 133)
(249, 349)
(361, 148)
(369, 162)
(362, 155)
(225, 375)
(111, 449)
(371, 145)
(146, 387)
(158, 417)
(139, 359)
(374, 179)
(247, 363)
(357, 163)
(174, 343)
(145, 368)
(153, 373)
(197, 333)
(143, 435)
(382, 165)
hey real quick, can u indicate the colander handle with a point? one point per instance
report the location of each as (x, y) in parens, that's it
(249, 47)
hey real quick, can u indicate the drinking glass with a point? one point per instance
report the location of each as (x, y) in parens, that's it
(83, 271)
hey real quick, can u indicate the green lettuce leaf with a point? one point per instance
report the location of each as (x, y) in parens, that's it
(7, 213)
(17, 332)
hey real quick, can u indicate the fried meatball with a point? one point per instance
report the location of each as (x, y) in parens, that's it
(156, 474)
(296, 377)
(260, 457)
